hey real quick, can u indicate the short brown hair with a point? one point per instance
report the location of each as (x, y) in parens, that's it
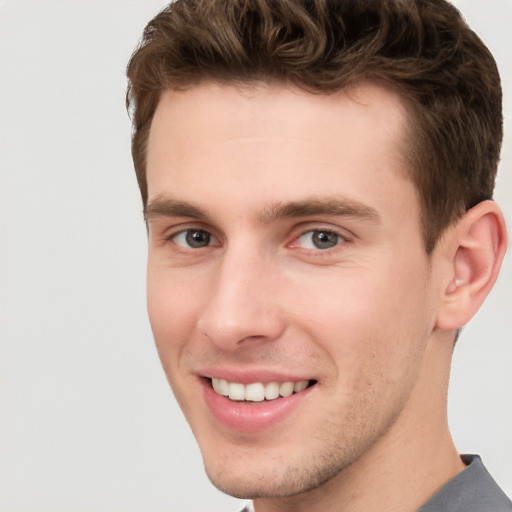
(424, 47)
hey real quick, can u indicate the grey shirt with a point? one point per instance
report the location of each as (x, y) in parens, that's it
(472, 490)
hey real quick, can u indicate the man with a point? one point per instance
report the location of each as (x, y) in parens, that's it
(317, 183)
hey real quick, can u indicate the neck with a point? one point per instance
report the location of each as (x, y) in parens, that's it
(409, 464)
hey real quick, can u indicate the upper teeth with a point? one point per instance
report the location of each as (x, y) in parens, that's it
(257, 391)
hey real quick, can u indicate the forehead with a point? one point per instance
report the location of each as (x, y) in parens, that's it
(275, 143)
(215, 111)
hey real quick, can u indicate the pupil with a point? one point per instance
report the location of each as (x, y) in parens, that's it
(198, 238)
(324, 239)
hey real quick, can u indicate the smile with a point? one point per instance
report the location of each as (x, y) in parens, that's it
(258, 391)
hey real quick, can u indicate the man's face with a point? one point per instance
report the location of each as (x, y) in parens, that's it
(285, 253)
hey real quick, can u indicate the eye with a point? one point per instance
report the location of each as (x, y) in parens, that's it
(319, 239)
(194, 238)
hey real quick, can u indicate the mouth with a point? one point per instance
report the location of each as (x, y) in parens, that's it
(258, 391)
(253, 405)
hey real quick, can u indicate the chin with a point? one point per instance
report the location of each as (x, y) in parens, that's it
(245, 481)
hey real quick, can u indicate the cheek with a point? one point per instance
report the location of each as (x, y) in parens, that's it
(367, 318)
(172, 307)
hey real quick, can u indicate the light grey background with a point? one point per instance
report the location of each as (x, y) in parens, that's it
(87, 422)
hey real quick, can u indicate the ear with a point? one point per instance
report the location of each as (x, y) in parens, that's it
(472, 252)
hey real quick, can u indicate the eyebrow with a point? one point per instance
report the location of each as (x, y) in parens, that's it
(320, 206)
(171, 208)
(161, 207)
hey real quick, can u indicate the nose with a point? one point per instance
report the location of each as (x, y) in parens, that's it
(243, 303)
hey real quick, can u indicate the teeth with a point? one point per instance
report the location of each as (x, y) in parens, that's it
(299, 386)
(221, 386)
(257, 391)
(272, 390)
(236, 391)
(286, 388)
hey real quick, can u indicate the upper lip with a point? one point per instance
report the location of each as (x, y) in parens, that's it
(250, 375)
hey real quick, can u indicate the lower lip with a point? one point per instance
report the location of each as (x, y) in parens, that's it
(251, 416)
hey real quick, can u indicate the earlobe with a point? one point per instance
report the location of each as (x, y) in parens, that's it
(475, 246)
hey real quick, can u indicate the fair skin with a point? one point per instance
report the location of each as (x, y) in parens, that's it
(285, 249)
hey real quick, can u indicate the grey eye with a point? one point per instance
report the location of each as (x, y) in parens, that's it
(198, 238)
(194, 238)
(318, 239)
(324, 239)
